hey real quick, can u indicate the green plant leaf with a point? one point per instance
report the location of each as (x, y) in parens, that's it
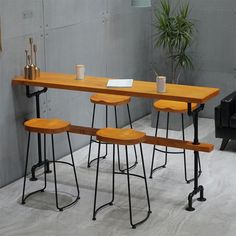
(174, 33)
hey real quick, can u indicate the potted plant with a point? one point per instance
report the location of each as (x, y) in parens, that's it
(174, 33)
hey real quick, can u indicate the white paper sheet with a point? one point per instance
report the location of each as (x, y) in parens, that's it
(120, 83)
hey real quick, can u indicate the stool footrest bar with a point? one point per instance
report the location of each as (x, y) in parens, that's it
(30, 194)
(176, 143)
(169, 152)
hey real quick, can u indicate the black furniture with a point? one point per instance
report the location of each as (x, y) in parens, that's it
(225, 119)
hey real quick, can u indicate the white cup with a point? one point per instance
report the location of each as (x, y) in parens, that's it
(161, 84)
(80, 70)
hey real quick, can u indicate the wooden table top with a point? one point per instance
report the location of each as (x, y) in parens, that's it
(145, 89)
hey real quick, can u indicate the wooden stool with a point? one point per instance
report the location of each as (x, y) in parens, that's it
(110, 100)
(175, 107)
(122, 137)
(49, 126)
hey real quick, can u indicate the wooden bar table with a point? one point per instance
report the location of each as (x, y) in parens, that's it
(143, 89)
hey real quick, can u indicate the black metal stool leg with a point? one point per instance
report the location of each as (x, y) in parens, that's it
(130, 123)
(46, 163)
(73, 165)
(55, 174)
(92, 140)
(153, 152)
(128, 182)
(113, 176)
(129, 192)
(145, 180)
(110, 203)
(172, 152)
(96, 184)
(128, 174)
(106, 127)
(91, 137)
(156, 149)
(167, 132)
(26, 164)
(118, 149)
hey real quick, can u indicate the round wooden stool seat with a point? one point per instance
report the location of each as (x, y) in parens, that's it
(46, 126)
(120, 136)
(109, 99)
(173, 106)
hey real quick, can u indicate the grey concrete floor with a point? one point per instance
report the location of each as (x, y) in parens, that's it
(168, 195)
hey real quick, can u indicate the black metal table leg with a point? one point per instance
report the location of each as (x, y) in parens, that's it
(197, 188)
(40, 161)
(185, 162)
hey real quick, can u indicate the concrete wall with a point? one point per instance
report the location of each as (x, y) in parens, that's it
(109, 36)
(213, 50)
(112, 39)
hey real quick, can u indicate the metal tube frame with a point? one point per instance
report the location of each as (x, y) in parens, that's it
(45, 174)
(118, 150)
(40, 163)
(197, 188)
(95, 210)
(171, 152)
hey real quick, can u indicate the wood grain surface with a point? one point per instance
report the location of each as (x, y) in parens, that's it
(46, 126)
(145, 89)
(120, 136)
(173, 106)
(175, 143)
(109, 99)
